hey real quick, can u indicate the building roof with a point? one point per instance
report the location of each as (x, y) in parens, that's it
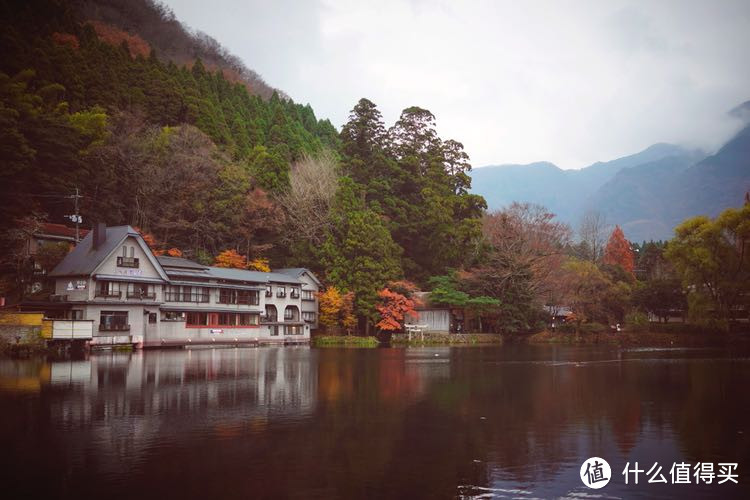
(62, 231)
(299, 271)
(227, 273)
(184, 268)
(84, 259)
(167, 261)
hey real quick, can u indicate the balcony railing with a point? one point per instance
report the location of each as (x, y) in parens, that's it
(269, 319)
(116, 327)
(281, 294)
(127, 262)
(294, 295)
(142, 295)
(108, 294)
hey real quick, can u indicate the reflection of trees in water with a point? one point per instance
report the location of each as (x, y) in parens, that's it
(377, 423)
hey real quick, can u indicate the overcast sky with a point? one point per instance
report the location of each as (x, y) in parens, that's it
(515, 81)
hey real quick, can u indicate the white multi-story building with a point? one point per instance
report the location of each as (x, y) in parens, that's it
(135, 297)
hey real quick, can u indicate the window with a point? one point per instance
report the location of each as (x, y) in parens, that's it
(141, 291)
(291, 313)
(269, 291)
(108, 289)
(275, 330)
(271, 313)
(172, 316)
(294, 293)
(248, 319)
(308, 316)
(226, 319)
(152, 318)
(248, 297)
(308, 295)
(280, 291)
(293, 330)
(113, 321)
(227, 296)
(126, 260)
(197, 319)
(76, 314)
(172, 293)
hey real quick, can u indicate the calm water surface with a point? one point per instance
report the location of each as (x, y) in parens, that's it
(295, 422)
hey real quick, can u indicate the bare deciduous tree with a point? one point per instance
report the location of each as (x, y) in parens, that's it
(307, 202)
(593, 234)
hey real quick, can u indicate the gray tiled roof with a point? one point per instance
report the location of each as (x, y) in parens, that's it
(167, 261)
(226, 273)
(297, 272)
(84, 259)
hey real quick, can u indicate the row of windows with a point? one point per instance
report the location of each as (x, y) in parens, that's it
(281, 291)
(198, 319)
(198, 294)
(115, 321)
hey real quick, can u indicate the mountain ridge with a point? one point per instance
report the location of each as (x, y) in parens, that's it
(647, 193)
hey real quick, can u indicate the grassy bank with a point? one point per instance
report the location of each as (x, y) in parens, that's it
(344, 341)
(446, 339)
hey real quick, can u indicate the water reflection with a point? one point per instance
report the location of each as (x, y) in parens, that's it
(512, 421)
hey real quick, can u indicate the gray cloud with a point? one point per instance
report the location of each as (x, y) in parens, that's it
(569, 82)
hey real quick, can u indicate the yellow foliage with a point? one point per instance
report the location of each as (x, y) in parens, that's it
(259, 264)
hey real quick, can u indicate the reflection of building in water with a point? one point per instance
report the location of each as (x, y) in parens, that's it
(130, 400)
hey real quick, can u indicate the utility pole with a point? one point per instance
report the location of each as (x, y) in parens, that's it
(76, 216)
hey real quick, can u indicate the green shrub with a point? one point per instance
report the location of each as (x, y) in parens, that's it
(637, 321)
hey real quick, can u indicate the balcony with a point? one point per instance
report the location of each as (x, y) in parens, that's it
(269, 293)
(116, 327)
(142, 295)
(127, 262)
(294, 295)
(108, 294)
(281, 295)
(269, 319)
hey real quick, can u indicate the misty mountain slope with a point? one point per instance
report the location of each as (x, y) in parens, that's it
(714, 183)
(640, 197)
(647, 193)
(567, 193)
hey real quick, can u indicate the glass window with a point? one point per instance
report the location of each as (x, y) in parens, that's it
(113, 321)
(197, 319)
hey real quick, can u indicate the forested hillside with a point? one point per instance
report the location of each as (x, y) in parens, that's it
(204, 165)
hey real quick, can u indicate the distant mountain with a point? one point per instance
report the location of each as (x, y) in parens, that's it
(567, 193)
(647, 193)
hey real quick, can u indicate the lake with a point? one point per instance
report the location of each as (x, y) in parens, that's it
(514, 421)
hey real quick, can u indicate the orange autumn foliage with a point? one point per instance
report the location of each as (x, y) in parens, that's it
(230, 258)
(65, 39)
(174, 252)
(618, 251)
(115, 36)
(394, 309)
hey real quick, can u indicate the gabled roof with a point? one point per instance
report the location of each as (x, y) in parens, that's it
(299, 271)
(84, 259)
